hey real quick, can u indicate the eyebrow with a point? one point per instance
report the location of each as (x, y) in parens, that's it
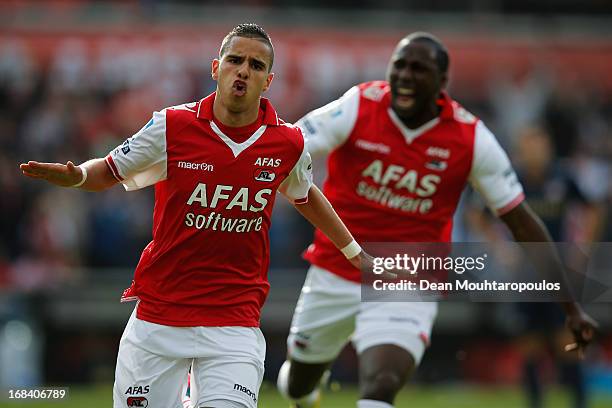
(254, 59)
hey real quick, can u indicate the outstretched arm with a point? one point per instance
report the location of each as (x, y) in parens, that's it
(319, 212)
(526, 226)
(98, 175)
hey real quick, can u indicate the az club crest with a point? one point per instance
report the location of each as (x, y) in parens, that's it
(264, 175)
(137, 402)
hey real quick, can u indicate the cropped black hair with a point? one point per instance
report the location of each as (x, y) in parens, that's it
(248, 30)
(442, 59)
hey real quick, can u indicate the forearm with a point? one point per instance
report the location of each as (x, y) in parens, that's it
(97, 176)
(526, 226)
(319, 212)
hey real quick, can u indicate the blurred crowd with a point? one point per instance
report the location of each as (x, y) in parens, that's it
(77, 94)
(74, 105)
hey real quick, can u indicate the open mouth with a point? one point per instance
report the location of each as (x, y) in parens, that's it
(239, 88)
(405, 97)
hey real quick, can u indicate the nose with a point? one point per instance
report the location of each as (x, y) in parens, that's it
(405, 73)
(243, 70)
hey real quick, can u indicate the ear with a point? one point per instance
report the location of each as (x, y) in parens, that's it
(215, 69)
(268, 81)
(444, 80)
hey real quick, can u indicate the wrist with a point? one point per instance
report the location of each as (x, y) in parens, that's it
(83, 177)
(351, 250)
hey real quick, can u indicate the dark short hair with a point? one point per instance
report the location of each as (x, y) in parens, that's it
(248, 30)
(442, 58)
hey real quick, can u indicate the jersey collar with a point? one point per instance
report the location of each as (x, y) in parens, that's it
(446, 112)
(205, 110)
(445, 103)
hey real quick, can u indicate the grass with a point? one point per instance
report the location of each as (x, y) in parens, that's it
(413, 397)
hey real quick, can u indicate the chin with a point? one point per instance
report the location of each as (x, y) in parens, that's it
(405, 113)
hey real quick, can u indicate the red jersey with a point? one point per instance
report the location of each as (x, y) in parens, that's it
(208, 260)
(390, 183)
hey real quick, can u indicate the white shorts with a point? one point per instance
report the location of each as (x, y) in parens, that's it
(153, 362)
(329, 313)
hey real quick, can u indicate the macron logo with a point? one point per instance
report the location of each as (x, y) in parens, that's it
(373, 147)
(196, 166)
(245, 390)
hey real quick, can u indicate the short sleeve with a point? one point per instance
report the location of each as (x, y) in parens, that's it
(492, 174)
(297, 184)
(330, 126)
(141, 160)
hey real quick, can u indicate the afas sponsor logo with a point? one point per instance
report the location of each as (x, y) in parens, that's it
(390, 180)
(230, 197)
(401, 178)
(440, 152)
(227, 198)
(267, 162)
(137, 390)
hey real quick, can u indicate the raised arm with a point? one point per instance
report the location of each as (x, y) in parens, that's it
(93, 175)
(138, 162)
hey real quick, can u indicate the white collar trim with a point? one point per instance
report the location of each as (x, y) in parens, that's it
(411, 134)
(237, 148)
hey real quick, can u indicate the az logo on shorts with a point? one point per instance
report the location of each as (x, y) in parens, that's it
(137, 402)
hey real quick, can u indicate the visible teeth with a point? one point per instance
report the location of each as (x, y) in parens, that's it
(405, 91)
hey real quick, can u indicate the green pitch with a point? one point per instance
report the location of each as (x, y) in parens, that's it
(430, 397)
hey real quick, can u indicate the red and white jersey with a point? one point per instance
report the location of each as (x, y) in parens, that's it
(207, 263)
(390, 183)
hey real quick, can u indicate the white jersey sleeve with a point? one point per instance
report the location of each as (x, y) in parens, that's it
(297, 184)
(142, 159)
(330, 126)
(492, 174)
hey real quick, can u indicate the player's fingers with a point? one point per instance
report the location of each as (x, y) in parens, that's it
(48, 168)
(33, 175)
(28, 166)
(587, 333)
(34, 164)
(571, 347)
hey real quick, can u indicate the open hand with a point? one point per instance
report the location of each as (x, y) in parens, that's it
(65, 175)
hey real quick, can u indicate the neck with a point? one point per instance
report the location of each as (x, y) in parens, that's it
(232, 118)
(419, 119)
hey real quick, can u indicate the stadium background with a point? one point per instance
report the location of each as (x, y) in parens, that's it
(78, 77)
